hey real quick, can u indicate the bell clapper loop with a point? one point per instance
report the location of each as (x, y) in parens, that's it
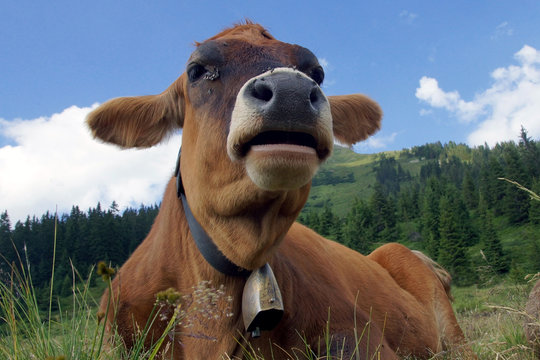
(256, 333)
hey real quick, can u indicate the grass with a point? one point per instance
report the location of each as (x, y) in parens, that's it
(492, 319)
(71, 332)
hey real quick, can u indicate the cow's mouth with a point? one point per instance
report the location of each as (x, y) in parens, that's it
(289, 141)
(280, 132)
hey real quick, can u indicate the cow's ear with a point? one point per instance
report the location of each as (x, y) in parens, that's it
(138, 122)
(355, 117)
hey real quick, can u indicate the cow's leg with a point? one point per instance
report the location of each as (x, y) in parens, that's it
(429, 283)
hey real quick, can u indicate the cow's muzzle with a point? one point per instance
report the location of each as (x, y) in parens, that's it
(281, 126)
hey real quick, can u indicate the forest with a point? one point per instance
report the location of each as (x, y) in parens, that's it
(449, 201)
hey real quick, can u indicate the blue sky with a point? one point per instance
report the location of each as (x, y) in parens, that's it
(463, 71)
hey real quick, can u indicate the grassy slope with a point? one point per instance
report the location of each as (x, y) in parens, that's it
(344, 161)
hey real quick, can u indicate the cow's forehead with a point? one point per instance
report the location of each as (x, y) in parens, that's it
(248, 32)
(249, 42)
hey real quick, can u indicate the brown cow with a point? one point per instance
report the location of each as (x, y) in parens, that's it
(256, 126)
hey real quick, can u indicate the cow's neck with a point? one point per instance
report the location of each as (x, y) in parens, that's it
(204, 242)
(247, 232)
(250, 237)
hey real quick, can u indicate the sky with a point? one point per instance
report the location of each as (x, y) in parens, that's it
(462, 71)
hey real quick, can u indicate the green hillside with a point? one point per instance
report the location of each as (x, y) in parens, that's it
(448, 200)
(332, 183)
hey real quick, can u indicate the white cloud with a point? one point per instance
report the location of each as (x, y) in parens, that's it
(329, 81)
(324, 63)
(430, 92)
(408, 16)
(55, 162)
(503, 29)
(374, 143)
(512, 101)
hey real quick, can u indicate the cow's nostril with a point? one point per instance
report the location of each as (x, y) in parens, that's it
(314, 95)
(262, 91)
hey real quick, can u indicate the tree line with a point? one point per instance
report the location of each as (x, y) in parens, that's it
(454, 209)
(82, 239)
(455, 204)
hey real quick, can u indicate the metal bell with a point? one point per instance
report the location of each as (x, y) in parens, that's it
(262, 305)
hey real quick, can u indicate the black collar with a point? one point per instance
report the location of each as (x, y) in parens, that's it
(204, 243)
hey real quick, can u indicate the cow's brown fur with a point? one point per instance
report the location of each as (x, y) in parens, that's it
(392, 292)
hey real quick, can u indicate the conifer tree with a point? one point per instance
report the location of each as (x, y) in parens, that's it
(430, 217)
(492, 247)
(358, 231)
(453, 254)
(326, 221)
(453, 169)
(530, 153)
(534, 208)
(404, 205)
(6, 246)
(470, 195)
(495, 188)
(515, 201)
(383, 215)
(75, 237)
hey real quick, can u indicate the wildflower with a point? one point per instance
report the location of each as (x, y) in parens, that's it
(170, 296)
(105, 271)
(100, 316)
(193, 310)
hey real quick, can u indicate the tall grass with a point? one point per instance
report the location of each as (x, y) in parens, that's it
(27, 332)
(492, 319)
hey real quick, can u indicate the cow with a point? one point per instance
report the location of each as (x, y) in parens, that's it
(256, 126)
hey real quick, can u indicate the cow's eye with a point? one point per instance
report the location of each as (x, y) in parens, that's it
(195, 71)
(317, 74)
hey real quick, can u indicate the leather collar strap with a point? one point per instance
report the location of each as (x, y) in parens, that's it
(204, 243)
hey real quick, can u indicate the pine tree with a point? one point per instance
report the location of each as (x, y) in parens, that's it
(377, 204)
(534, 208)
(470, 195)
(6, 246)
(453, 254)
(430, 217)
(326, 221)
(530, 153)
(492, 247)
(129, 230)
(407, 207)
(516, 201)
(494, 188)
(453, 169)
(76, 236)
(358, 230)
(383, 215)
(387, 174)
(312, 221)
(391, 231)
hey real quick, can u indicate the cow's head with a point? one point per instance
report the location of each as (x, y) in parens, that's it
(256, 126)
